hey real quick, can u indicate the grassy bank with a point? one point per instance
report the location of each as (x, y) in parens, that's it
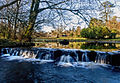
(70, 39)
(9, 43)
(5, 42)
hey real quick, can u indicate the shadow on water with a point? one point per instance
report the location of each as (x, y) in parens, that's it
(99, 46)
(80, 45)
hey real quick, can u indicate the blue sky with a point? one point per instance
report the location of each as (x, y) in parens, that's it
(116, 11)
(82, 24)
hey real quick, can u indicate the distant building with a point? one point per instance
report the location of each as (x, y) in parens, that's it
(67, 33)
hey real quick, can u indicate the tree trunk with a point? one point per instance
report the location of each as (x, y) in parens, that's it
(32, 19)
(16, 18)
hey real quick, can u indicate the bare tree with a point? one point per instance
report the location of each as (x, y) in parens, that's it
(53, 9)
(8, 4)
(15, 17)
(48, 12)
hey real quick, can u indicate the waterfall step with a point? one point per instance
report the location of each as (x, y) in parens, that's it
(64, 56)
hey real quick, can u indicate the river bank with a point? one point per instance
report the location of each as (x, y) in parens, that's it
(8, 43)
(79, 40)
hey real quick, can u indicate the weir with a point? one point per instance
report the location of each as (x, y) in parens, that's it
(65, 56)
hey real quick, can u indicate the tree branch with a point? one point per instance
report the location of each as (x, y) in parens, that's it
(3, 6)
(49, 7)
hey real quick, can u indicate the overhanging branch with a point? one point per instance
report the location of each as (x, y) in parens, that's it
(3, 6)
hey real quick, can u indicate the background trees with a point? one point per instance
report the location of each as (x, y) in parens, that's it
(15, 19)
(107, 27)
(25, 16)
(96, 30)
(106, 10)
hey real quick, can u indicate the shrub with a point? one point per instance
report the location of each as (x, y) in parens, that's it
(95, 32)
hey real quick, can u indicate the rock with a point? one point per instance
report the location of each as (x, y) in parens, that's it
(57, 54)
(115, 59)
(0, 51)
(80, 53)
(92, 55)
(4, 51)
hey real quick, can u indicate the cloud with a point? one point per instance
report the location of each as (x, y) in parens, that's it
(47, 28)
(95, 14)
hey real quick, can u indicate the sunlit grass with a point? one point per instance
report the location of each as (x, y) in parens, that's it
(77, 38)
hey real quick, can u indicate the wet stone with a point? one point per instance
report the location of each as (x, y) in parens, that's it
(80, 53)
(115, 60)
(57, 54)
(92, 55)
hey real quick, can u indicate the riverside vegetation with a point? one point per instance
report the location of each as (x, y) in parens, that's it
(18, 27)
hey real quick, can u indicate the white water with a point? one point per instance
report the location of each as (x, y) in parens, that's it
(100, 58)
(46, 56)
(65, 61)
(77, 58)
(84, 57)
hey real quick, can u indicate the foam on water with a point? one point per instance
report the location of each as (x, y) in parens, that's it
(22, 59)
(9, 58)
(88, 65)
(5, 55)
(63, 64)
(65, 57)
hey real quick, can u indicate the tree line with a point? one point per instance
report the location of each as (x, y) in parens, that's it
(107, 26)
(19, 19)
(98, 30)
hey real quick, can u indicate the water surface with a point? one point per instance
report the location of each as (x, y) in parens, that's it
(48, 65)
(81, 45)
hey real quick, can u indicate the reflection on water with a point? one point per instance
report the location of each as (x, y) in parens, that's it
(81, 45)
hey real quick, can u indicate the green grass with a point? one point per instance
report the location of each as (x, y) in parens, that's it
(117, 39)
(76, 39)
(5, 42)
(11, 43)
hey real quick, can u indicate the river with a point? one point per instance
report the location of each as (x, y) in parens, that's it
(60, 65)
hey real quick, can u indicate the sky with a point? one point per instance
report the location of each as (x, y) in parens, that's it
(82, 24)
(116, 11)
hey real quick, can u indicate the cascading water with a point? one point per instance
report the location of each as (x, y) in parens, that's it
(77, 58)
(28, 54)
(101, 58)
(46, 57)
(65, 60)
(84, 57)
(61, 57)
(32, 66)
